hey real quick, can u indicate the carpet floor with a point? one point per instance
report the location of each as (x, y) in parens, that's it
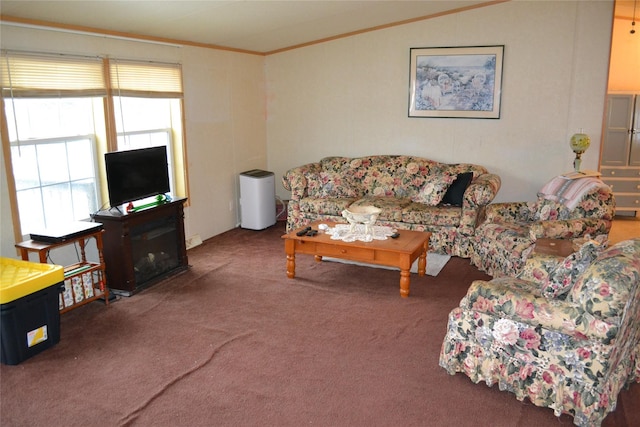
(233, 342)
(435, 263)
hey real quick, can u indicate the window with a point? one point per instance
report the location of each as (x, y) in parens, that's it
(51, 173)
(152, 126)
(59, 111)
(147, 104)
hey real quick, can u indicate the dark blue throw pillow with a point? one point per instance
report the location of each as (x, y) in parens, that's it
(456, 190)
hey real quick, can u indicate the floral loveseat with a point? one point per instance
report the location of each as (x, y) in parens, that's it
(508, 231)
(565, 333)
(414, 193)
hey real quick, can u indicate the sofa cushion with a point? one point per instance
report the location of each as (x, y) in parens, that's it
(325, 205)
(607, 284)
(562, 278)
(391, 206)
(330, 184)
(550, 210)
(455, 192)
(419, 213)
(538, 267)
(393, 176)
(501, 247)
(433, 191)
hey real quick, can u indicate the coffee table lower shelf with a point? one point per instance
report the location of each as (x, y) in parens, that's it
(400, 252)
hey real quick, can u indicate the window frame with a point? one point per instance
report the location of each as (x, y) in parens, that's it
(178, 171)
(66, 140)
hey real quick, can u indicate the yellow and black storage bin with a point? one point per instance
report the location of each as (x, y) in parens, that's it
(29, 312)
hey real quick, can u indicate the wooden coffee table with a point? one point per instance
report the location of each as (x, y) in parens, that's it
(400, 252)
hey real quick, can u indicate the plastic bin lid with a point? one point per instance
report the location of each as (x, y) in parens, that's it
(20, 278)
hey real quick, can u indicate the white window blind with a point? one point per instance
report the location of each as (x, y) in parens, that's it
(40, 75)
(145, 79)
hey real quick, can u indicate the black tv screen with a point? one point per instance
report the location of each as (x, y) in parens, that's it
(136, 174)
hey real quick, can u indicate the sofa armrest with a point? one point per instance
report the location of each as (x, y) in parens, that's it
(509, 212)
(482, 190)
(478, 194)
(569, 229)
(521, 301)
(295, 179)
(538, 267)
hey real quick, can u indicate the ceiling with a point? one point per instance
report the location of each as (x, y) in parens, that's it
(257, 26)
(253, 25)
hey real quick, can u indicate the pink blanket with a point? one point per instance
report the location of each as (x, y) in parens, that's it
(569, 191)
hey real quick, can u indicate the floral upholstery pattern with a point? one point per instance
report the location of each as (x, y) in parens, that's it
(562, 278)
(570, 353)
(329, 184)
(433, 192)
(550, 210)
(408, 189)
(538, 268)
(506, 235)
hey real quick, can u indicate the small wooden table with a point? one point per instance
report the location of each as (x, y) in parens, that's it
(557, 247)
(84, 273)
(400, 252)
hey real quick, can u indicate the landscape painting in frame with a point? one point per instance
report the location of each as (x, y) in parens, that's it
(463, 82)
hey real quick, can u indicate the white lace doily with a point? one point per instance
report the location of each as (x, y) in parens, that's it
(343, 232)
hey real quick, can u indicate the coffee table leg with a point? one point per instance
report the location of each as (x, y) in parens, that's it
(405, 281)
(290, 249)
(422, 263)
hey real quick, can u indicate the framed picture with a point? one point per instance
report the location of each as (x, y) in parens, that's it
(458, 82)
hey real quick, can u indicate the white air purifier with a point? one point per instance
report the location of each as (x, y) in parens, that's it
(257, 199)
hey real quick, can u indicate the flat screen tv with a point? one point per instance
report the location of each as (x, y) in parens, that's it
(136, 174)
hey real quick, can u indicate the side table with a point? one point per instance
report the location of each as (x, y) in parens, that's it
(557, 247)
(84, 281)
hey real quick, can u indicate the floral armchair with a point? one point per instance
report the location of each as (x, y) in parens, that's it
(565, 333)
(507, 233)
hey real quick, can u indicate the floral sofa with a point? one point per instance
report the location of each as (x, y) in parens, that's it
(414, 193)
(565, 333)
(508, 231)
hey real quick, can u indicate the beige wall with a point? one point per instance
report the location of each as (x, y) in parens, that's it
(624, 69)
(224, 108)
(350, 96)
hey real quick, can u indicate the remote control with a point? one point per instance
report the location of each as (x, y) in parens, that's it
(312, 233)
(303, 231)
(395, 235)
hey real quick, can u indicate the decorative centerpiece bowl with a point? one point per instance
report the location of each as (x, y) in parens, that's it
(366, 215)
